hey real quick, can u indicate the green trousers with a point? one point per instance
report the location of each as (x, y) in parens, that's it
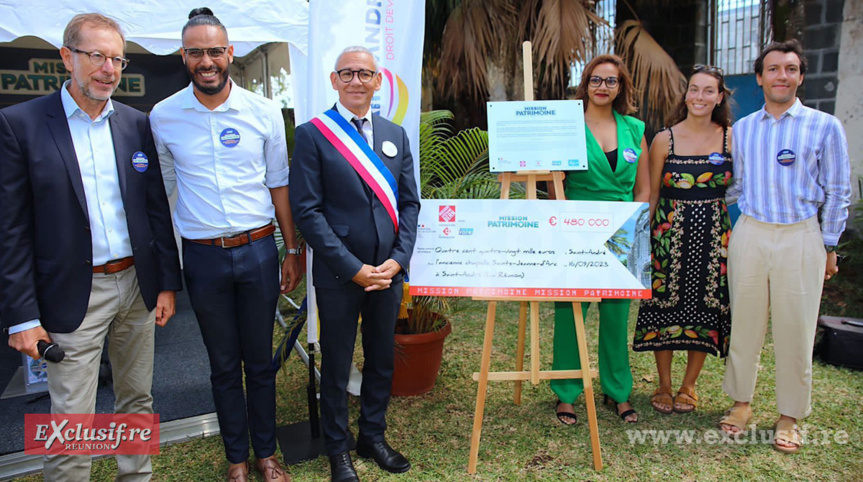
(615, 376)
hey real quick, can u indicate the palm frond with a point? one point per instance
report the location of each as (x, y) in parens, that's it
(561, 34)
(475, 32)
(657, 79)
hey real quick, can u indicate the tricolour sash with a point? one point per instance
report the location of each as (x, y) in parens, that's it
(345, 138)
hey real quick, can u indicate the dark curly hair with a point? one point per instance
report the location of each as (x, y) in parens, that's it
(624, 103)
(792, 45)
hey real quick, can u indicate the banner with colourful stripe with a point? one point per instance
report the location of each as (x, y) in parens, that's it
(394, 32)
(362, 158)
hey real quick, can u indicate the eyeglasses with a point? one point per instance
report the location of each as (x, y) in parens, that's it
(347, 75)
(198, 54)
(707, 68)
(99, 59)
(596, 81)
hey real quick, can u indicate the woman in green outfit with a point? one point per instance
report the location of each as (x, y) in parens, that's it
(617, 171)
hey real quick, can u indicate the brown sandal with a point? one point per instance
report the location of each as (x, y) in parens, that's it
(737, 417)
(686, 396)
(662, 396)
(786, 431)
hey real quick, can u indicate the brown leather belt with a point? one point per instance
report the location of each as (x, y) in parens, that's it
(115, 266)
(239, 239)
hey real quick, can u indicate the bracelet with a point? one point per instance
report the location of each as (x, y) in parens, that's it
(294, 251)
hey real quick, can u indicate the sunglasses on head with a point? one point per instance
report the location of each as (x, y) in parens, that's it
(707, 68)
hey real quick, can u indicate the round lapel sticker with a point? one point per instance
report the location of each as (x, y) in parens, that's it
(716, 158)
(389, 149)
(229, 137)
(786, 157)
(140, 161)
(629, 155)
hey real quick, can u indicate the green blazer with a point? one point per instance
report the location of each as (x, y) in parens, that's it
(599, 182)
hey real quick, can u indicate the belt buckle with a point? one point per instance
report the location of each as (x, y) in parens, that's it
(222, 241)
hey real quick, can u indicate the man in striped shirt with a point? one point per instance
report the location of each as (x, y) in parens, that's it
(792, 184)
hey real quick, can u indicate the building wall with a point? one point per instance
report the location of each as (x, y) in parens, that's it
(849, 102)
(822, 38)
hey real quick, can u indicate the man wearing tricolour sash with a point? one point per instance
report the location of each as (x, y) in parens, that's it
(355, 200)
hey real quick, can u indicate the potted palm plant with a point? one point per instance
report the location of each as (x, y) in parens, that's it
(421, 328)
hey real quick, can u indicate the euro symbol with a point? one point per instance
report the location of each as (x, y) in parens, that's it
(552, 220)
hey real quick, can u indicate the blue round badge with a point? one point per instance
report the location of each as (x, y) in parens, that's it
(786, 157)
(716, 158)
(229, 137)
(629, 155)
(140, 161)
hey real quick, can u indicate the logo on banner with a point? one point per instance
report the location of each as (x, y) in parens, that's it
(397, 96)
(446, 214)
(91, 434)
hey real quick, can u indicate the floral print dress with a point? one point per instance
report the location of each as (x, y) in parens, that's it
(689, 250)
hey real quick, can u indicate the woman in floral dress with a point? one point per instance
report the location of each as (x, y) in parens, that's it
(690, 168)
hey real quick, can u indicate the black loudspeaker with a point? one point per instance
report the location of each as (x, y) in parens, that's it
(840, 341)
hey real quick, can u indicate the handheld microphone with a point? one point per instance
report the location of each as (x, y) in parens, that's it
(50, 351)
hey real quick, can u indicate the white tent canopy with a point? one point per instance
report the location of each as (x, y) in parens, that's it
(156, 24)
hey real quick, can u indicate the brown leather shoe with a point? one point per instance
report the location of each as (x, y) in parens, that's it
(239, 472)
(271, 470)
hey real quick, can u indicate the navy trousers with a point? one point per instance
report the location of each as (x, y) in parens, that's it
(234, 292)
(339, 311)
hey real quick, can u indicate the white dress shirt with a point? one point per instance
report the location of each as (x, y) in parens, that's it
(222, 162)
(368, 129)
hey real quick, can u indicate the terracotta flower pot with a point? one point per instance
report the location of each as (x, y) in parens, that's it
(417, 362)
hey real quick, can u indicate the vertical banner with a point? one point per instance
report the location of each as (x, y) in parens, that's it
(394, 31)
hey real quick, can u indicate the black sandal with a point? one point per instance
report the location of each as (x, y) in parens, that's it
(611, 403)
(565, 418)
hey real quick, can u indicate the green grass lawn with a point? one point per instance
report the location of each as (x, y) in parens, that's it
(526, 442)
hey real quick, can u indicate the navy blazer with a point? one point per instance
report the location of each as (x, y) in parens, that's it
(339, 217)
(46, 252)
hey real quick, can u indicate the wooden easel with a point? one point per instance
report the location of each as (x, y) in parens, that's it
(534, 374)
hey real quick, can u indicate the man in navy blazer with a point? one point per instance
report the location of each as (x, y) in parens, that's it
(87, 248)
(362, 241)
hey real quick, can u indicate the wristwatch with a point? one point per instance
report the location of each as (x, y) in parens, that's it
(295, 251)
(830, 249)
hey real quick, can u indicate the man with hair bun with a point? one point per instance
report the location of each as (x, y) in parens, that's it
(224, 150)
(87, 249)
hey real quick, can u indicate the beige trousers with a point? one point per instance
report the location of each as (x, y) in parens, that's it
(780, 269)
(116, 310)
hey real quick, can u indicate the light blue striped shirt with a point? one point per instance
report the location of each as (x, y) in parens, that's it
(789, 169)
